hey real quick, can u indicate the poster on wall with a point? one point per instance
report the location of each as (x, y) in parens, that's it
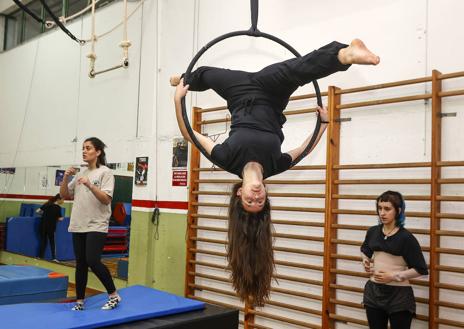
(130, 166)
(59, 174)
(141, 171)
(43, 180)
(179, 161)
(113, 166)
(179, 178)
(8, 171)
(179, 153)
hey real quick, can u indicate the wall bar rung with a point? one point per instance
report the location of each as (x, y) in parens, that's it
(285, 319)
(383, 165)
(384, 85)
(385, 101)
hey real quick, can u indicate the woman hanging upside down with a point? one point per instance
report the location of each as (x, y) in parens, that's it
(252, 151)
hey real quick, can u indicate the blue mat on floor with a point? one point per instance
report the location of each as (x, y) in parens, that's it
(138, 303)
(27, 284)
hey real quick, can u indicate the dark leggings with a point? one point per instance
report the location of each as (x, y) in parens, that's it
(378, 319)
(44, 236)
(88, 248)
(277, 81)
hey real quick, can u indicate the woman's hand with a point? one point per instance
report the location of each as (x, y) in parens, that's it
(181, 90)
(367, 263)
(84, 180)
(323, 113)
(71, 171)
(384, 277)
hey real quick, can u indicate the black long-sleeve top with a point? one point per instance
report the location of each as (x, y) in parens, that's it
(402, 243)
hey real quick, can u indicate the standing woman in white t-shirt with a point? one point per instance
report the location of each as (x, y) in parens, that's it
(92, 190)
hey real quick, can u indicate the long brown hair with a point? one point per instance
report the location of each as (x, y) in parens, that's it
(249, 251)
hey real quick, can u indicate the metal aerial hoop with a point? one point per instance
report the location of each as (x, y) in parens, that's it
(252, 32)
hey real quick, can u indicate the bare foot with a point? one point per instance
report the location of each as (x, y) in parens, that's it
(174, 80)
(357, 53)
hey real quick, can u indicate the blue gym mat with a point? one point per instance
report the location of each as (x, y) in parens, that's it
(138, 303)
(26, 284)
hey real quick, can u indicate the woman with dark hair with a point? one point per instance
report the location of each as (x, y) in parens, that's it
(92, 190)
(392, 256)
(249, 250)
(51, 213)
(252, 151)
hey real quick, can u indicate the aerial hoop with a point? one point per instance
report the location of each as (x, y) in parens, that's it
(253, 32)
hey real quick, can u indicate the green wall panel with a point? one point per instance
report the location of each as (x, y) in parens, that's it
(158, 262)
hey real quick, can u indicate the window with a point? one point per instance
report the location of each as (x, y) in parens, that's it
(56, 7)
(12, 30)
(20, 27)
(75, 6)
(31, 27)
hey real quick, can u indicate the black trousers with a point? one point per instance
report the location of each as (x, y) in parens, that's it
(44, 236)
(88, 248)
(277, 81)
(378, 319)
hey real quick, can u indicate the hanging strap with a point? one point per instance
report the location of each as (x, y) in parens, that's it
(254, 15)
(62, 27)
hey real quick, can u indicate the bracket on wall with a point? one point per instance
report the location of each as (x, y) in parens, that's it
(214, 137)
(342, 120)
(452, 114)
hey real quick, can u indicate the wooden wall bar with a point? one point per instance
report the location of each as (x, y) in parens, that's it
(319, 299)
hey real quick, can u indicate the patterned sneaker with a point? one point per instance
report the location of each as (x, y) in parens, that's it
(78, 307)
(112, 303)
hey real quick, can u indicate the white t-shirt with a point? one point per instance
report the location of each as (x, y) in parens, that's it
(88, 214)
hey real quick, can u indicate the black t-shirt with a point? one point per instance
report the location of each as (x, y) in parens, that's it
(245, 145)
(402, 243)
(252, 103)
(51, 213)
(256, 108)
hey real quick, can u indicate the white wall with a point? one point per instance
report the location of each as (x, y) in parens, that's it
(408, 35)
(48, 100)
(6, 4)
